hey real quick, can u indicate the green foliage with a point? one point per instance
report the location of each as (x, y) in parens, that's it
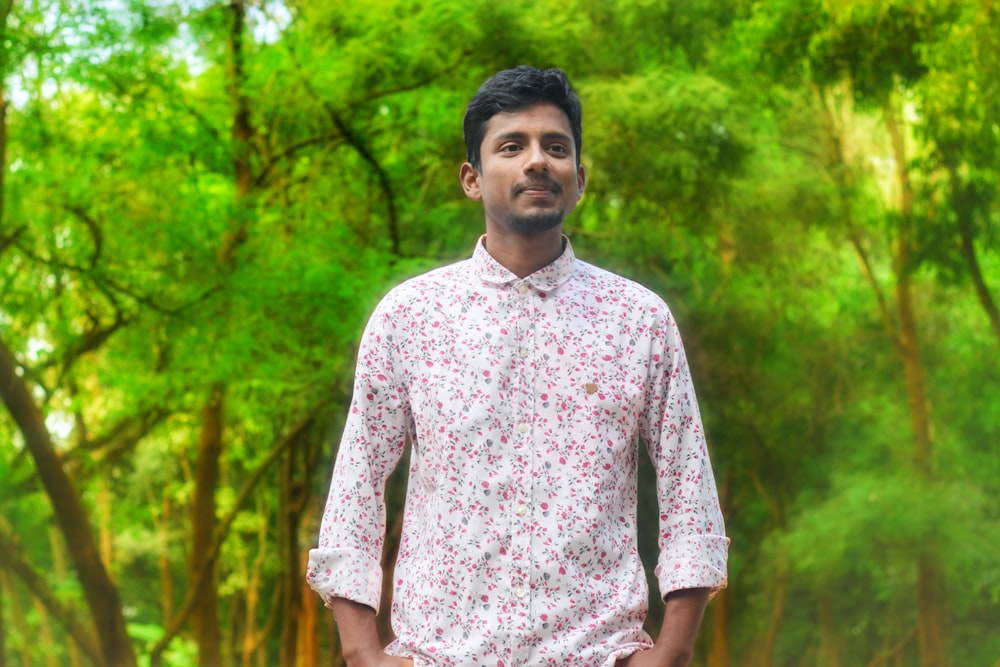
(873, 44)
(180, 653)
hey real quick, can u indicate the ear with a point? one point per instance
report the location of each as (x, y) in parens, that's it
(469, 176)
(581, 179)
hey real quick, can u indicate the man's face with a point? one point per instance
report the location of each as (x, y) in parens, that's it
(529, 180)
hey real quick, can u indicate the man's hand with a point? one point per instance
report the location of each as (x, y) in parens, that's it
(674, 646)
(359, 640)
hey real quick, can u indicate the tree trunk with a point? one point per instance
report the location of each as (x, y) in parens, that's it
(251, 602)
(17, 618)
(291, 502)
(932, 605)
(719, 654)
(3, 628)
(309, 628)
(205, 619)
(254, 638)
(101, 594)
(61, 570)
(932, 614)
(166, 577)
(720, 650)
(308, 631)
(765, 654)
(45, 636)
(830, 641)
(104, 523)
(6, 6)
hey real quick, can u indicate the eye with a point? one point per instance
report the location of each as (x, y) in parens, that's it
(559, 148)
(510, 148)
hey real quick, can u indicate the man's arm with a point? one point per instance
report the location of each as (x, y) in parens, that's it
(346, 563)
(674, 646)
(693, 546)
(359, 640)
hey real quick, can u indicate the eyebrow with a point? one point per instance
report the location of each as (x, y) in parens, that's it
(524, 135)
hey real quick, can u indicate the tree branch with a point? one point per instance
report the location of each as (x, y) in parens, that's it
(176, 624)
(93, 228)
(120, 438)
(289, 151)
(836, 165)
(960, 196)
(883, 304)
(883, 657)
(12, 558)
(355, 142)
(102, 595)
(8, 240)
(110, 288)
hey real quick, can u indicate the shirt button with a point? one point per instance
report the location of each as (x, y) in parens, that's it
(524, 352)
(522, 428)
(520, 591)
(523, 289)
(522, 510)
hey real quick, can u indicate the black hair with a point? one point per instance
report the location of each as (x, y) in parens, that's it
(512, 90)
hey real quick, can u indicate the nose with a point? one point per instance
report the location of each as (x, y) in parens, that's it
(536, 158)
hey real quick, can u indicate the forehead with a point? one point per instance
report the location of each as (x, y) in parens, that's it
(543, 118)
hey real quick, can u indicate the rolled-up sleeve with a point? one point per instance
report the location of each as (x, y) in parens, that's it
(347, 560)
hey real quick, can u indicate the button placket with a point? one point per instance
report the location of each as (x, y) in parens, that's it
(522, 453)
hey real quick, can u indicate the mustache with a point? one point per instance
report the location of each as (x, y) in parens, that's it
(545, 183)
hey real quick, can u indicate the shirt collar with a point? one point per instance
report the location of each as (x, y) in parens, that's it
(546, 279)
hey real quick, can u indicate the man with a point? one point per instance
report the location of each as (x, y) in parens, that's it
(524, 379)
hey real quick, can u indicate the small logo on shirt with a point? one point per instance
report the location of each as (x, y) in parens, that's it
(590, 388)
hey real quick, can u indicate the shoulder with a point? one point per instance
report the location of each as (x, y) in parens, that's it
(425, 288)
(616, 290)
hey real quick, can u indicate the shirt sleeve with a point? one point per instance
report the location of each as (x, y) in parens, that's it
(347, 560)
(693, 547)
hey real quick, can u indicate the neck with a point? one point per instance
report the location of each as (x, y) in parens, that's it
(522, 254)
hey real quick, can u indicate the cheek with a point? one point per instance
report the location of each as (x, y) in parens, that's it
(495, 185)
(492, 198)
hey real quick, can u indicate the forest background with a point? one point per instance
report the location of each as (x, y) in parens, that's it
(200, 203)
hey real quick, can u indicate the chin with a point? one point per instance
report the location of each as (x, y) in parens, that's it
(535, 224)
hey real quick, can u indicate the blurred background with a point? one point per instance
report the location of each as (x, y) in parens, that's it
(201, 202)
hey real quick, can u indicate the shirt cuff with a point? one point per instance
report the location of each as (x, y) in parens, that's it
(693, 562)
(345, 573)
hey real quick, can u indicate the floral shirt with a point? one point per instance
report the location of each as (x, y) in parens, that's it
(524, 401)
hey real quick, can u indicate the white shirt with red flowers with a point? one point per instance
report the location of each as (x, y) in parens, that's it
(524, 400)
